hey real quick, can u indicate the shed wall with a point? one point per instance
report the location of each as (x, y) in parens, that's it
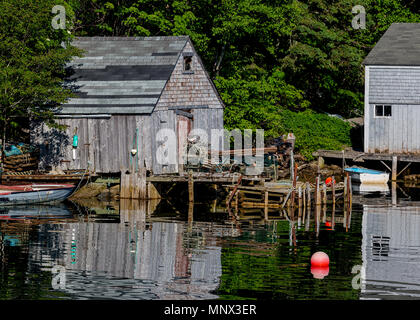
(400, 88)
(106, 143)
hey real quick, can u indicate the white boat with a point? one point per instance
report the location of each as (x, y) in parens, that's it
(367, 176)
(370, 187)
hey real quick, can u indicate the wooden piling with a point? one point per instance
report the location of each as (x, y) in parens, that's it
(299, 202)
(299, 197)
(317, 193)
(190, 187)
(394, 168)
(308, 195)
(294, 186)
(266, 205)
(345, 190)
(394, 192)
(324, 194)
(333, 190)
(348, 188)
(233, 192)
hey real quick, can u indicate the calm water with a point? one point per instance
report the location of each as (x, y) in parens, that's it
(154, 250)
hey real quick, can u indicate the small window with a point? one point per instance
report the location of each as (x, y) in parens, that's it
(188, 64)
(383, 110)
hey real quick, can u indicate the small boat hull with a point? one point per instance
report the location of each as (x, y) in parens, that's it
(366, 176)
(37, 211)
(370, 187)
(32, 195)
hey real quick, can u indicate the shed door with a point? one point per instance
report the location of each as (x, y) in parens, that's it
(184, 125)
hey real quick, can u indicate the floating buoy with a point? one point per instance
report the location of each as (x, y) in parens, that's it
(320, 259)
(329, 181)
(320, 272)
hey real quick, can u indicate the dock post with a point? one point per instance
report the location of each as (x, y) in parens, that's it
(350, 192)
(308, 195)
(299, 197)
(317, 193)
(394, 192)
(348, 188)
(299, 202)
(294, 185)
(345, 190)
(394, 168)
(190, 187)
(333, 190)
(292, 165)
(324, 194)
(266, 204)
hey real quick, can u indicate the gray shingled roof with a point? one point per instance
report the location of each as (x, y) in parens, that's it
(399, 46)
(121, 75)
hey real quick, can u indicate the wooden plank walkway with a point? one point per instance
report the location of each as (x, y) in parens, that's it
(361, 156)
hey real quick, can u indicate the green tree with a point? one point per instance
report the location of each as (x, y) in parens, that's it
(265, 56)
(32, 61)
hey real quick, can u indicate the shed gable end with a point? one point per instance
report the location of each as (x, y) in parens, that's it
(190, 87)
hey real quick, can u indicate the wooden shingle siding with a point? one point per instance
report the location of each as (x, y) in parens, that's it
(189, 89)
(394, 85)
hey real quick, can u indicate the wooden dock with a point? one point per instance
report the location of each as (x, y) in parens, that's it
(280, 196)
(357, 156)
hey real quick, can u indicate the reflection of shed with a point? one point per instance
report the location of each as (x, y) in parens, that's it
(131, 259)
(391, 252)
(128, 88)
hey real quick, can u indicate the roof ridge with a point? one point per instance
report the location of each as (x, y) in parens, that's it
(125, 38)
(399, 46)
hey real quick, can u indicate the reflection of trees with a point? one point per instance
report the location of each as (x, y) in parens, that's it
(258, 265)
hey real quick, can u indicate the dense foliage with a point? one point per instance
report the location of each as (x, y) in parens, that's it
(265, 56)
(32, 60)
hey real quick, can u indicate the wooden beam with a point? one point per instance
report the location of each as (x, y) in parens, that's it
(394, 167)
(404, 168)
(386, 166)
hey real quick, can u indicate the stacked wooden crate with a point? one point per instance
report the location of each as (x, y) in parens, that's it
(22, 163)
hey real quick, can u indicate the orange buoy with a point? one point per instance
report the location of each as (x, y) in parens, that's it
(320, 259)
(320, 272)
(329, 181)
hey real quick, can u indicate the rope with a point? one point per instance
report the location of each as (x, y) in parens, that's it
(80, 182)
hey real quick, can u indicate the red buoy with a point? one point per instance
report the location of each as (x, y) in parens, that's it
(320, 272)
(320, 259)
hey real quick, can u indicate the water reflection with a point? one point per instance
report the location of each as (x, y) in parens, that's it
(391, 252)
(132, 259)
(152, 250)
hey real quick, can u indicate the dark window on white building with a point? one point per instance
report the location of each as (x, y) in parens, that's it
(383, 110)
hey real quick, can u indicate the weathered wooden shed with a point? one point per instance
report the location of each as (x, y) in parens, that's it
(128, 88)
(392, 92)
